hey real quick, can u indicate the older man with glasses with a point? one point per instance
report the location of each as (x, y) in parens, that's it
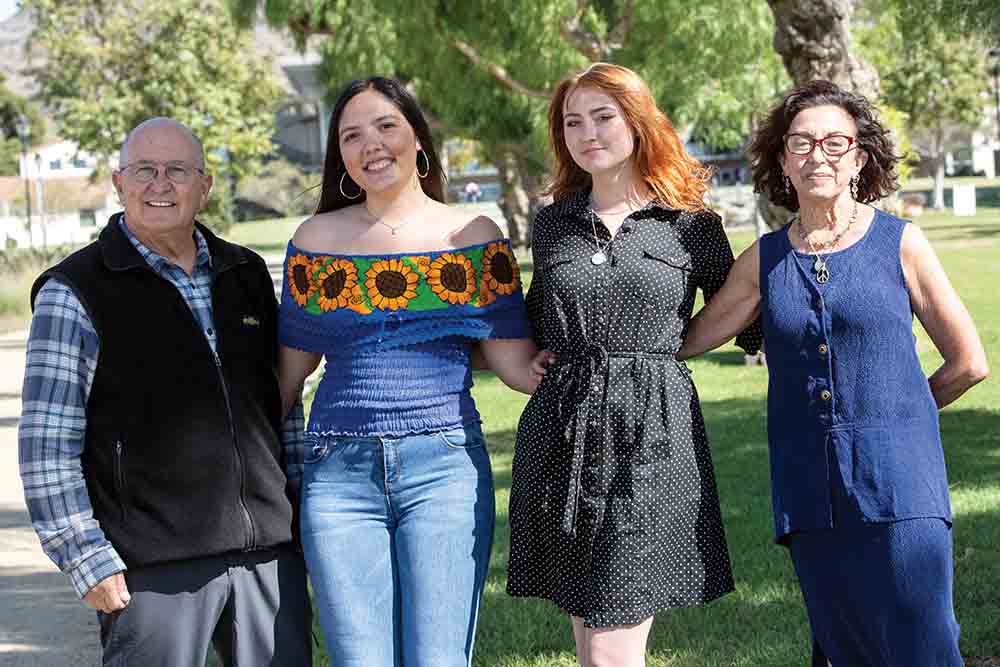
(151, 442)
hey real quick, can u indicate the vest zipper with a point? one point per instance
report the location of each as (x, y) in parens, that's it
(252, 540)
(239, 457)
(120, 477)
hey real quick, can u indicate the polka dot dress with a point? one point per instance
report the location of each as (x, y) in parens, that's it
(614, 511)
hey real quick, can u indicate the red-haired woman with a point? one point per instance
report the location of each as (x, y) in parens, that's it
(614, 511)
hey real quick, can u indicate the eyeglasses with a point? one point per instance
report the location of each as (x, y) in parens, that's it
(834, 145)
(147, 172)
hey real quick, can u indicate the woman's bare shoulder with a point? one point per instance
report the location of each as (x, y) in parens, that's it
(322, 232)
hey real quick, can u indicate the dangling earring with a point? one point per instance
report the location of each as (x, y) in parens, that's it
(854, 188)
(788, 185)
(427, 170)
(347, 196)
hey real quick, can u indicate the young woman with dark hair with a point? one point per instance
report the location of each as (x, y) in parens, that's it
(395, 288)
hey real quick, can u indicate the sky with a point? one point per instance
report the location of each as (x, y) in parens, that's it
(7, 8)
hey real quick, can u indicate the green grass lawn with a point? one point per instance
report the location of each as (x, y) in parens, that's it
(764, 622)
(268, 237)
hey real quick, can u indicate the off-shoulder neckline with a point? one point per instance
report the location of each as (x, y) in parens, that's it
(408, 253)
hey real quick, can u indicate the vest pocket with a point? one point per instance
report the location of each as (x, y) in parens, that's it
(120, 476)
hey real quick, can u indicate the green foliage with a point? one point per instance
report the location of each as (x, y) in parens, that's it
(927, 73)
(283, 187)
(960, 17)
(12, 106)
(896, 121)
(113, 65)
(709, 64)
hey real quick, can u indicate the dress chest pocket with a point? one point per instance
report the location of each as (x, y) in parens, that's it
(664, 275)
(567, 275)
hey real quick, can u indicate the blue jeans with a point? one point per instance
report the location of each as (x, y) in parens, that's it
(397, 535)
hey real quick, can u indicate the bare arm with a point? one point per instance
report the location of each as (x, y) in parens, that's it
(477, 359)
(294, 366)
(944, 317)
(517, 361)
(729, 311)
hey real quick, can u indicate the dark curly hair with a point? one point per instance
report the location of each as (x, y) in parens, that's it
(877, 178)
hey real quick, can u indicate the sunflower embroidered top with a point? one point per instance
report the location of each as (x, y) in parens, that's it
(397, 331)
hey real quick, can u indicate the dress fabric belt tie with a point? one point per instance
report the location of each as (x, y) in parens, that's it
(577, 397)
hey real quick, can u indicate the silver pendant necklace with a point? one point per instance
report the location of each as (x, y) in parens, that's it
(393, 229)
(598, 257)
(820, 267)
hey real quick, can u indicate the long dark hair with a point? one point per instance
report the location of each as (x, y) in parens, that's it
(330, 198)
(876, 179)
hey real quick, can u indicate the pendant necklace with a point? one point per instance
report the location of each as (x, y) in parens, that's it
(393, 228)
(598, 257)
(820, 267)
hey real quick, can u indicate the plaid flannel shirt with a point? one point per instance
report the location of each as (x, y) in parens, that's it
(62, 354)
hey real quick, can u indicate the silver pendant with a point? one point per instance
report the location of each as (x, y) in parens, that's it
(598, 258)
(822, 273)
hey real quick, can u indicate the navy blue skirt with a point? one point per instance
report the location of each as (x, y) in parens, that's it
(878, 594)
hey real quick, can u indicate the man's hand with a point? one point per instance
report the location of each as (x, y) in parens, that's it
(109, 595)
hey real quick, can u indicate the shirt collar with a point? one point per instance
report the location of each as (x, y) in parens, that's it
(579, 205)
(203, 258)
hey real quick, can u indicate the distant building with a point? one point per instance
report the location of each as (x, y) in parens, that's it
(729, 167)
(56, 160)
(302, 122)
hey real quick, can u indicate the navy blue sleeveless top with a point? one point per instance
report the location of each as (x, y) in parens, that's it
(846, 389)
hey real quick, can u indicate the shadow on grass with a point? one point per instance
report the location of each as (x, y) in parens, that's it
(728, 357)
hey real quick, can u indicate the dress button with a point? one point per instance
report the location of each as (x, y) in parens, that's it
(825, 395)
(823, 349)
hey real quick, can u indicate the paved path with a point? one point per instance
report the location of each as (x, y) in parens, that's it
(42, 624)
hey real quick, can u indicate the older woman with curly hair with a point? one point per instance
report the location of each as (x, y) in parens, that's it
(859, 488)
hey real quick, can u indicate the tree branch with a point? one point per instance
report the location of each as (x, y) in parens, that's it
(619, 35)
(497, 71)
(590, 45)
(582, 40)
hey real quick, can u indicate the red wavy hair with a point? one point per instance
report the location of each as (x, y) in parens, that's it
(677, 179)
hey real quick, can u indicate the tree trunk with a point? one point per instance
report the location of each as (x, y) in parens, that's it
(939, 182)
(514, 200)
(813, 38)
(937, 158)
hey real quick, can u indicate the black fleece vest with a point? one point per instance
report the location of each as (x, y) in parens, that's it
(182, 456)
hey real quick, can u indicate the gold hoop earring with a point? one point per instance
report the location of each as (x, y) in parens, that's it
(347, 196)
(427, 170)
